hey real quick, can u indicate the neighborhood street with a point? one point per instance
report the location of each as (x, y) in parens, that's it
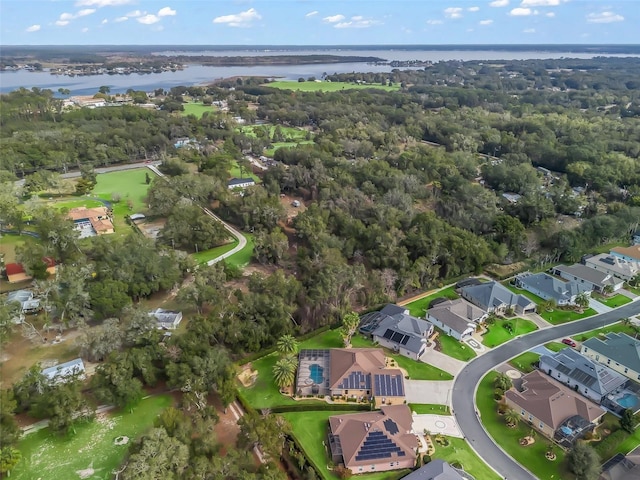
(463, 399)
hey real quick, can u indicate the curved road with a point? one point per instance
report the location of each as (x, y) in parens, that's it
(466, 382)
(242, 241)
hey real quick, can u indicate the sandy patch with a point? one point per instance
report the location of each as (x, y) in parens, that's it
(248, 376)
(122, 440)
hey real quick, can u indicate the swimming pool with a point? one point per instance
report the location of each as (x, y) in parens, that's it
(316, 372)
(628, 400)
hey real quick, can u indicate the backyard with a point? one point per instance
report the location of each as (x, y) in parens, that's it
(327, 86)
(91, 453)
(430, 408)
(196, 108)
(419, 307)
(8, 244)
(290, 136)
(503, 330)
(531, 457)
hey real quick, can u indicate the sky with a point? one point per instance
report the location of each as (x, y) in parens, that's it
(318, 22)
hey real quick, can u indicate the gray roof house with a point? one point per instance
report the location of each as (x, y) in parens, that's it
(616, 266)
(457, 318)
(240, 183)
(166, 319)
(401, 332)
(548, 287)
(494, 297)
(592, 279)
(588, 377)
(622, 467)
(618, 351)
(438, 469)
(65, 371)
(635, 238)
(28, 304)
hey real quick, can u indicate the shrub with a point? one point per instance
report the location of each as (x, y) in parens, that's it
(426, 459)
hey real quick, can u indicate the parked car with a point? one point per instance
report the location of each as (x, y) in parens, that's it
(568, 341)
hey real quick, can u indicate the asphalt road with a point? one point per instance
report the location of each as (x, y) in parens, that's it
(466, 382)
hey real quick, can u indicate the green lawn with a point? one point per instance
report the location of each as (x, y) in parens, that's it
(452, 347)
(243, 257)
(419, 307)
(130, 184)
(496, 334)
(237, 173)
(205, 256)
(48, 456)
(289, 133)
(555, 346)
(635, 290)
(531, 457)
(8, 244)
(310, 430)
(270, 152)
(614, 301)
(196, 108)
(459, 451)
(78, 202)
(615, 328)
(327, 86)
(525, 361)
(423, 408)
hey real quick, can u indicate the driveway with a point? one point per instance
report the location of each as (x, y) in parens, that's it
(466, 382)
(434, 424)
(443, 362)
(599, 306)
(428, 391)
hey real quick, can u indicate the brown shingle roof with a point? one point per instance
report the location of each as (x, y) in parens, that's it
(347, 360)
(551, 402)
(80, 213)
(633, 251)
(353, 429)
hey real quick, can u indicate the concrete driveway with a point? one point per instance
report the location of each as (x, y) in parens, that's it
(443, 362)
(428, 391)
(599, 306)
(434, 424)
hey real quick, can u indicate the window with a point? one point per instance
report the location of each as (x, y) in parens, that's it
(530, 417)
(597, 357)
(360, 469)
(608, 361)
(585, 390)
(541, 425)
(522, 411)
(626, 370)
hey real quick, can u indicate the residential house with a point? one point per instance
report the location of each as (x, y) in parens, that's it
(632, 254)
(92, 221)
(28, 304)
(548, 287)
(438, 469)
(618, 351)
(65, 371)
(356, 373)
(556, 411)
(181, 142)
(586, 376)
(16, 273)
(612, 265)
(512, 197)
(457, 318)
(240, 183)
(373, 441)
(622, 467)
(591, 279)
(635, 238)
(401, 332)
(492, 297)
(166, 319)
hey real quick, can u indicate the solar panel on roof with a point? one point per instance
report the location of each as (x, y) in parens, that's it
(388, 333)
(378, 445)
(397, 336)
(405, 340)
(391, 426)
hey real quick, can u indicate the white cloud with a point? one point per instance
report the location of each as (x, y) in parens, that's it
(105, 21)
(62, 23)
(334, 18)
(499, 3)
(435, 22)
(166, 12)
(485, 22)
(540, 3)
(32, 28)
(148, 19)
(550, 14)
(242, 19)
(453, 12)
(529, 30)
(102, 3)
(121, 19)
(135, 13)
(85, 12)
(85, 30)
(358, 21)
(66, 16)
(604, 17)
(311, 14)
(473, 9)
(520, 12)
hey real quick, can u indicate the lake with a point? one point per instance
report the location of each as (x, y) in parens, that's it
(199, 74)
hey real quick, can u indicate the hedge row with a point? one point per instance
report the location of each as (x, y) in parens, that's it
(342, 407)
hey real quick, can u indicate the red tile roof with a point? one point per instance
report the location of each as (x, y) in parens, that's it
(14, 268)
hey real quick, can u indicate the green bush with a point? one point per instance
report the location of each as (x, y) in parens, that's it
(606, 448)
(321, 408)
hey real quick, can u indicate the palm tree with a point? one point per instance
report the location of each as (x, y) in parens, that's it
(503, 382)
(549, 305)
(284, 372)
(582, 300)
(512, 417)
(287, 345)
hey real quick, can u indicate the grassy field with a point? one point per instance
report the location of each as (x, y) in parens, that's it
(238, 173)
(555, 346)
(45, 455)
(196, 108)
(310, 429)
(270, 152)
(531, 457)
(496, 334)
(452, 347)
(525, 361)
(205, 256)
(8, 244)
(419, 307)
(78, 202)
(615, 328)
(614, 301)
(243, 257)
(459, 451)
(425, 408)
(327, 86)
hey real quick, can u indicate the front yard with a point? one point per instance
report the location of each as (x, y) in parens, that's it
(525, 362)
(452, 347)
(613, 301)
(459, 451)
(620, 327)
(503, 330)
(430, 408)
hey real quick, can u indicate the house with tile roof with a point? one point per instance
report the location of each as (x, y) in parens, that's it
(457, 318)
(548, 287)
(558, 412)
(92, 221)
(589, 278)
(373, 441)
(618, 351)
(616, 266)
(492, 297)
(15, 273)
